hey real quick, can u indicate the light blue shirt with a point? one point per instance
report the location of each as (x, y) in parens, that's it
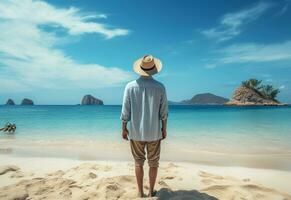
(144, 106)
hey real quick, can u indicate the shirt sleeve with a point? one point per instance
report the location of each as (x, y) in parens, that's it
(164, 106)
(126, 108)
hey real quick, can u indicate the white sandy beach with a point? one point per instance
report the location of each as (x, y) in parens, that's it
(59, 178)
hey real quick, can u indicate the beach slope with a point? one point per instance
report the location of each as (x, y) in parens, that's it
(55, 178)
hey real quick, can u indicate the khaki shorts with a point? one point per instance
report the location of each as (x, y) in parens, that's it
(153, 152)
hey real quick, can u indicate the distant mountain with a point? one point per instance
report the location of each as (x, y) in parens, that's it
(202, 99)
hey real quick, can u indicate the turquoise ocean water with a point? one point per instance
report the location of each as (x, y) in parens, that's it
(211, 128)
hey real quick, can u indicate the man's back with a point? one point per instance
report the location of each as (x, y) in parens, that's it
(144, 105)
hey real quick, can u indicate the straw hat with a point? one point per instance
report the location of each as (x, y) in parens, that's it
(147, 65)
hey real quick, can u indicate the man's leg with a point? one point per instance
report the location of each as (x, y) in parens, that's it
(139, 179)
(153, 171)
(153, 154)
(138, 152)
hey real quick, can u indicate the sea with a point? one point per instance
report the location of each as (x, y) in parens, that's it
(250, 130)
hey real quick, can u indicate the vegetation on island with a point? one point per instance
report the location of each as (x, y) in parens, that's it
(266, 91)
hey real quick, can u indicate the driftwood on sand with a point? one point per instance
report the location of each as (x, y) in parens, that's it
(9, 128)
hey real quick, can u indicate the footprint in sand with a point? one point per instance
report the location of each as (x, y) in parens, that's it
(168, 177)
(17, 174)
(58, 173)
(92, 175)
(210, 179)
(207, 181)
(209, 175)
(170, 168)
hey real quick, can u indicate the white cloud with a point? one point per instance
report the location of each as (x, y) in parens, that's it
(231, 24)
(10, 85)
(72, 19)
(256, 52)
(29, 55)
(243, 53)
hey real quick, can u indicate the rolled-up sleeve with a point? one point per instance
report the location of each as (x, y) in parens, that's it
(126, 107)
(163, 106)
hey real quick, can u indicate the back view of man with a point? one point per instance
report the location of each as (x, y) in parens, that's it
(145, 107)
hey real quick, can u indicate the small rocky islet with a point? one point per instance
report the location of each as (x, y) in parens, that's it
(91, 100)
(24, 102)
(27, 102)
(10, 102)
(253, 93)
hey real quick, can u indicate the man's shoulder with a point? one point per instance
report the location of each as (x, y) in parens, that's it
(158, 84)
(130, 84)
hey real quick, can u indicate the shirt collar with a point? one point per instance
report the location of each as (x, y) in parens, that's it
(146, 77)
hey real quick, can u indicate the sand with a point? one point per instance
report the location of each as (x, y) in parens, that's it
(58, 178)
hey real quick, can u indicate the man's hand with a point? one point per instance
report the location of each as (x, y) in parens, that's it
(164, 133)
(164, 128)
(125, 134)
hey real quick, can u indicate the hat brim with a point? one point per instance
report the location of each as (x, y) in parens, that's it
(137, 68)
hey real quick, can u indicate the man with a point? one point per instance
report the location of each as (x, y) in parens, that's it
(145, 106)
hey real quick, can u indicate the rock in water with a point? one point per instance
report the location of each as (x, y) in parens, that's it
(90, 100)
(27, 102)
(10, 102)
(244, 96)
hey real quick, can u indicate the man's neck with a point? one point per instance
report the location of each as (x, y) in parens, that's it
(146, 77)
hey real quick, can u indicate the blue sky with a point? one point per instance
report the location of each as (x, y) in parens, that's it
(55, 51)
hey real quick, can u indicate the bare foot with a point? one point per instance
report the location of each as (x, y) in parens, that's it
(141, 195)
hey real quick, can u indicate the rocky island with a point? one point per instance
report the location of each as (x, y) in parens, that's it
(27, 102)
(10, 102)
(90, 100)
(252, 92)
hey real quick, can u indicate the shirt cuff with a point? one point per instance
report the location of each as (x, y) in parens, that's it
(164, 117)
(124, 119)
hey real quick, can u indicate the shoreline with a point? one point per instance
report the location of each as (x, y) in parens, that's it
(175, 178)
(120, 151)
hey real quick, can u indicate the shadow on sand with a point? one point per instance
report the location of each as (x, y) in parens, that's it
(167, 194)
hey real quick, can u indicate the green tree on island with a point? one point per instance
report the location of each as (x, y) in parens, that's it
(266, 91)
(269, 92)
(254, 84)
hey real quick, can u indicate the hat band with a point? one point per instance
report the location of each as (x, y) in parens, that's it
(145, 69)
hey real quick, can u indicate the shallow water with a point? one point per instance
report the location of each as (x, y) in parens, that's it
(216, 129)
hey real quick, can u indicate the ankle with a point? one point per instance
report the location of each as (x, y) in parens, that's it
(140, 194)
